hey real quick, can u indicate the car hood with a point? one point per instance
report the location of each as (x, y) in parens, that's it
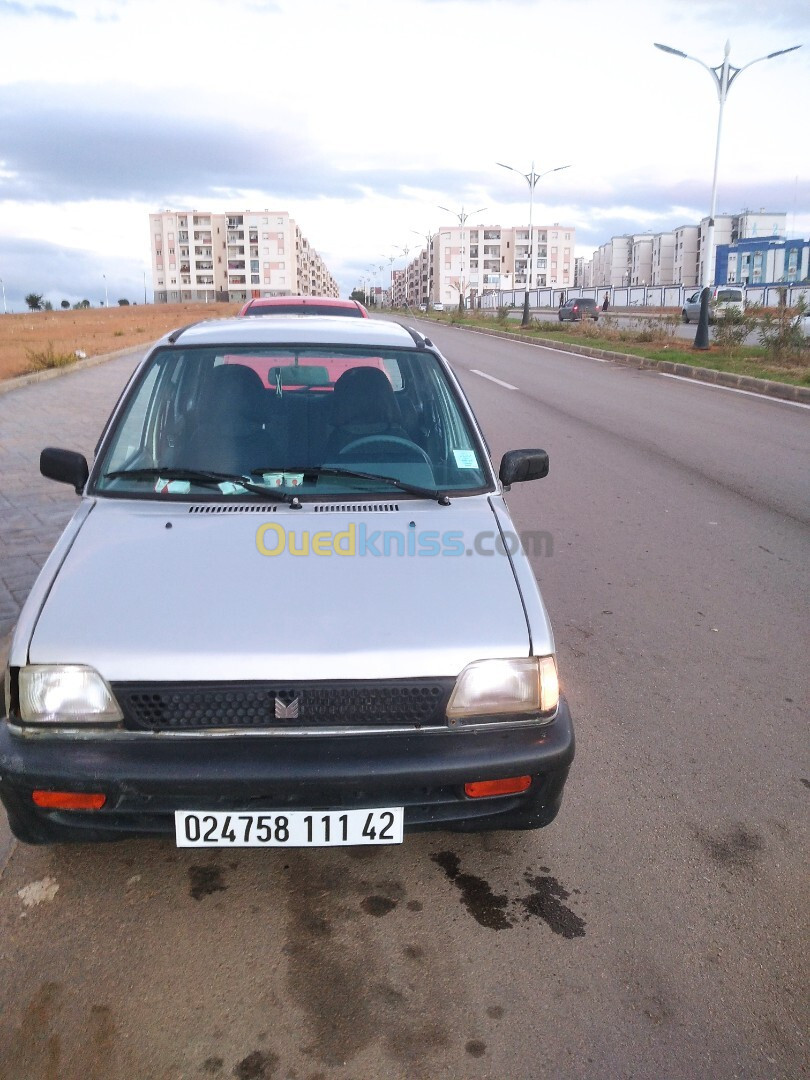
(181, 591)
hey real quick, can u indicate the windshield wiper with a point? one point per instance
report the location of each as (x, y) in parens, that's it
(199, 476)
(356, 474)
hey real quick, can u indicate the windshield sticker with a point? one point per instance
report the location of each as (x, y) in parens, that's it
(465, 459)
(172, 487)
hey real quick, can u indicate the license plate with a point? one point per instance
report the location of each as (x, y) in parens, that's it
(289, 828)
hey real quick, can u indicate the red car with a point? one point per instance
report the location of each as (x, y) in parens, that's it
(303, 305)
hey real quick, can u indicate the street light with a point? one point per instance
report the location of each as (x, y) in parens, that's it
(462, 216)
(2, 286)
(723, 76)
(531, 179)
(106, 298)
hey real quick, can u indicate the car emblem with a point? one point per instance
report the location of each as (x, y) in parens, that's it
(287, 712)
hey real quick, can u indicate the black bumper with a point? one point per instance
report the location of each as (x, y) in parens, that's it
(145, 779)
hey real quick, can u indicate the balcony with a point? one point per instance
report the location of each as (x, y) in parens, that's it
(203, 252)
(236, 237)
(203, 238)
(236, 264)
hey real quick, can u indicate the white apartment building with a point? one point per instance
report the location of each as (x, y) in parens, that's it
(663, 258)
(199, 256)
(473, 260)
(685, 256)
(641, 260)
(746, 225)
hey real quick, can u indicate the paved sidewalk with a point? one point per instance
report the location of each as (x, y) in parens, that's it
(69, 412)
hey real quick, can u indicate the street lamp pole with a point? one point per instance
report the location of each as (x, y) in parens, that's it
(531, 179)
(723, 76)
(106, 298)
(462, 216)
(3, 287)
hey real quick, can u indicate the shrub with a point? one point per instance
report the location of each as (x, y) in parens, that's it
(41, 359)
(733, 327)
(781, 334)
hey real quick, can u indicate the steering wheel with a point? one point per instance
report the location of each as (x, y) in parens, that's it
(416, 452)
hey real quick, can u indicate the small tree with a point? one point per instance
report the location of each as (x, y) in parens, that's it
(65, 305)
(81, 304)
(732, 327)
(358, 295)
(123, 303)
(47, 306)
(34, 301)
(781, 334)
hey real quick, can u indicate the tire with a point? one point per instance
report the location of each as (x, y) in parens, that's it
(684, 317)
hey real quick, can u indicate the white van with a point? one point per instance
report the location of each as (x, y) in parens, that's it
(722, 298)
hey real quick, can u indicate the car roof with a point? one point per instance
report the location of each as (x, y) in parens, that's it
(260, 302)
(291, 330)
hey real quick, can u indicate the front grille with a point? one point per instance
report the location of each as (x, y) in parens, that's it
(395, 703)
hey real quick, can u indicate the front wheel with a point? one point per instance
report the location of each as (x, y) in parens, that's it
(684, 317)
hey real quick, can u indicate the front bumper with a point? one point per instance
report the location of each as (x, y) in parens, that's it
(147, 777)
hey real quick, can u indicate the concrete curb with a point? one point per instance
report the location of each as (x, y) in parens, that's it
(16, 383)
(766, 387)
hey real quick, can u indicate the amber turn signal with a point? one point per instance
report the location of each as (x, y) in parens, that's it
(481, 788)
(69, 800)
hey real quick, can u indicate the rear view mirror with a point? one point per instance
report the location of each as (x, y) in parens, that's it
(520, 465)
(66, 466)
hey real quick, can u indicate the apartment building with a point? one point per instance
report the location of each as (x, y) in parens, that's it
(203, 257)
(641, 260)
(729, 228)
(663, 258)
(762, 259)
(472, 260)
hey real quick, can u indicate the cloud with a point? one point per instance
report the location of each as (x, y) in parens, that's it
(61, 273)
(49, 11)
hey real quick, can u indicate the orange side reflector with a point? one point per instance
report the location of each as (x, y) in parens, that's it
(482, 788)
(69, 800)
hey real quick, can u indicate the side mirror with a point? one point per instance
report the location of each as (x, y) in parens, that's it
(520, 465)
(66, 466)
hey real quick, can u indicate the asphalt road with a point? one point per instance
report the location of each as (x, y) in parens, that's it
(657, 930)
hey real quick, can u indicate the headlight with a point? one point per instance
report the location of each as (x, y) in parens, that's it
(496, 690)
(66, 694)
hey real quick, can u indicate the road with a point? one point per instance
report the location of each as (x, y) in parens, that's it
(657, 930)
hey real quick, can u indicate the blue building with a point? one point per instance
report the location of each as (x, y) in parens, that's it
(763, 260)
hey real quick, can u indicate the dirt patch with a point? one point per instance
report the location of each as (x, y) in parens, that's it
(93, 331)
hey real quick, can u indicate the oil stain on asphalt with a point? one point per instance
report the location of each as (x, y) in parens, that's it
(205, 880)
(497, 911)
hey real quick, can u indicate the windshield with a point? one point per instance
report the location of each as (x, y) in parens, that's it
(318, 420)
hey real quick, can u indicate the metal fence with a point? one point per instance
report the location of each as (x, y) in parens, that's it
(629, 296)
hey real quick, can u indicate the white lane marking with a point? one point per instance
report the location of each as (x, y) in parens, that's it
(734, 390)
(500, 382)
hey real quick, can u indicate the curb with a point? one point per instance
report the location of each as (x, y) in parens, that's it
(16, 383)
(766, 387)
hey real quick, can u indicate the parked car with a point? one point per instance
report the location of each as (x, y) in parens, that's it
(722, 298)
(578, 309)
(303, 305)
(285, 618)
(438, 306)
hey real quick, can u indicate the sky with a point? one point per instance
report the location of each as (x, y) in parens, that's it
(362, 117)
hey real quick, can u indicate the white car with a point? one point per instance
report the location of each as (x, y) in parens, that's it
(438, 306)
(291, 608)
(722, 298)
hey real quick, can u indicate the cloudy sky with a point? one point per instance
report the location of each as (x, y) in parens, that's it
(362, 117)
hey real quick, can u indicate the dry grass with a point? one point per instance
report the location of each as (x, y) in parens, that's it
(92, 330)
